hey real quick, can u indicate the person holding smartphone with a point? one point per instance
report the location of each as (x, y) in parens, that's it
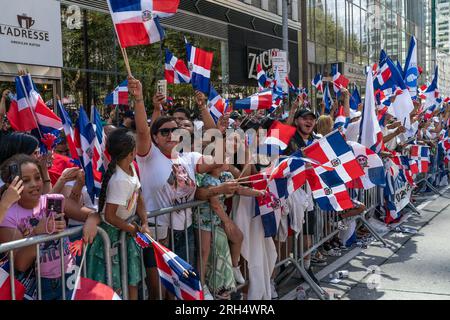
(31, 216)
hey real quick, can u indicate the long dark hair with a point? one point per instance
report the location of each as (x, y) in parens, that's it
(19, 160)
(121, 142)
(158, 124)
(15, 143)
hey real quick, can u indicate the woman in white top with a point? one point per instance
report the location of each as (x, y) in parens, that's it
(168, 178)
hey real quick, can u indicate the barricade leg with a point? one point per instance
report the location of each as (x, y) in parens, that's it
(371, 229)
(414, 209)
(124, 264)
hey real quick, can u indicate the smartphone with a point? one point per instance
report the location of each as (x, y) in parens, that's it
(162, 87)
(13, 171)
(55, 204)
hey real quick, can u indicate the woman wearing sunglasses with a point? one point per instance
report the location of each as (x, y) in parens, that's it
(168, 179)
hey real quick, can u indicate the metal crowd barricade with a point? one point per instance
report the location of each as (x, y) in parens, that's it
(290, 252)
(123, 244)
(38, 240)
(326, 228)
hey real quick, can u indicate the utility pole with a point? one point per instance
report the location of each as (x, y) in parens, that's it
(285, 22)
(304, 26)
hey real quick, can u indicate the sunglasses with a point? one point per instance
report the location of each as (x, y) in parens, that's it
(166, 131)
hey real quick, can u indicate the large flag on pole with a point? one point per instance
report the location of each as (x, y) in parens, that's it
(137, 22)
(85, 142)
(199, 64)
(68, 130)
(411, 71)
(175, 70)
(432, 92)
(370, 131)
(333, 151)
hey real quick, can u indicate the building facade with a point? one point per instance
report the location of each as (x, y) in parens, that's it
(92, 65)
(353, 32)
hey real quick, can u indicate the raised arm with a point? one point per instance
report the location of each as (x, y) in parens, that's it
(346, 95)
(208, 121)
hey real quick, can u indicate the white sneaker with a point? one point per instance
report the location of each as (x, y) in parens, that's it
(238, 275)
(274, 293)
(206, 293)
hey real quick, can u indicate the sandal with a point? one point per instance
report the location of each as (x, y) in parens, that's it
(334, 253)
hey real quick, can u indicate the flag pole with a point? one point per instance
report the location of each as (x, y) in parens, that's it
(29, 102)
(125, 59)
(78, 278)
(185, 271)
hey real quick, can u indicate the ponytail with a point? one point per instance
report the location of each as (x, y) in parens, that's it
(120, 144)
(106, 177)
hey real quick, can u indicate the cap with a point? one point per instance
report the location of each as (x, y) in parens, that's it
(304, 113)
(129, 114)
(355, 114)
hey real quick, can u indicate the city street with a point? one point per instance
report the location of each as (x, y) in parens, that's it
(414, 267)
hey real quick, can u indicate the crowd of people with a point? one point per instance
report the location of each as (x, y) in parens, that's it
(147, 172)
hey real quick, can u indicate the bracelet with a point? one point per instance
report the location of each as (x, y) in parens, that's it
(47, 181)
(139, 100)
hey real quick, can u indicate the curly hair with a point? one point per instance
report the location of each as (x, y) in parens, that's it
(121, 142)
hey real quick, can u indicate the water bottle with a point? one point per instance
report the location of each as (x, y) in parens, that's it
(341, 274)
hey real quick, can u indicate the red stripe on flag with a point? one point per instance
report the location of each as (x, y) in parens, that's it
(132, 34)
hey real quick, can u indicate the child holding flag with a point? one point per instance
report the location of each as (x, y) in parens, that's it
(120, 198)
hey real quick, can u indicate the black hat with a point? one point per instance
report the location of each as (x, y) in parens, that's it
(304, 113)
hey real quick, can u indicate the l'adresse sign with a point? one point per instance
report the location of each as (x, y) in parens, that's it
(30, 32)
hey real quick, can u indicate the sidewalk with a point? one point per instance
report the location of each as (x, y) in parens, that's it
(412, 267)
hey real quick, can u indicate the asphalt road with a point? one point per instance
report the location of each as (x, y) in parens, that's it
(412, 267)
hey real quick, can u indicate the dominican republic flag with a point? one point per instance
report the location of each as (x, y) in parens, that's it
(280, 134)
(276, 102)
(430, 111)
(341, 120)
(339, 80)
(355, 100)
(5, 285)
(177, 275)
(318, 83)
(136, 21)
(68, 130)
(411, 71)
(421, 155)
(388, 77)
(93, 290)
(333, 151)
(217, 105)
(292, 88)
(293, 169)
(328, 198)
(199, 64)
(101, 156)
(263, 80)
(85, 138)
(372, 166)
(269, 207)
(327, 100)
(277, 86)
(258, 101)
(432, 92)
(119, 95)
(175, 70)
(370, 131)
(30, 111)
(404, 165)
